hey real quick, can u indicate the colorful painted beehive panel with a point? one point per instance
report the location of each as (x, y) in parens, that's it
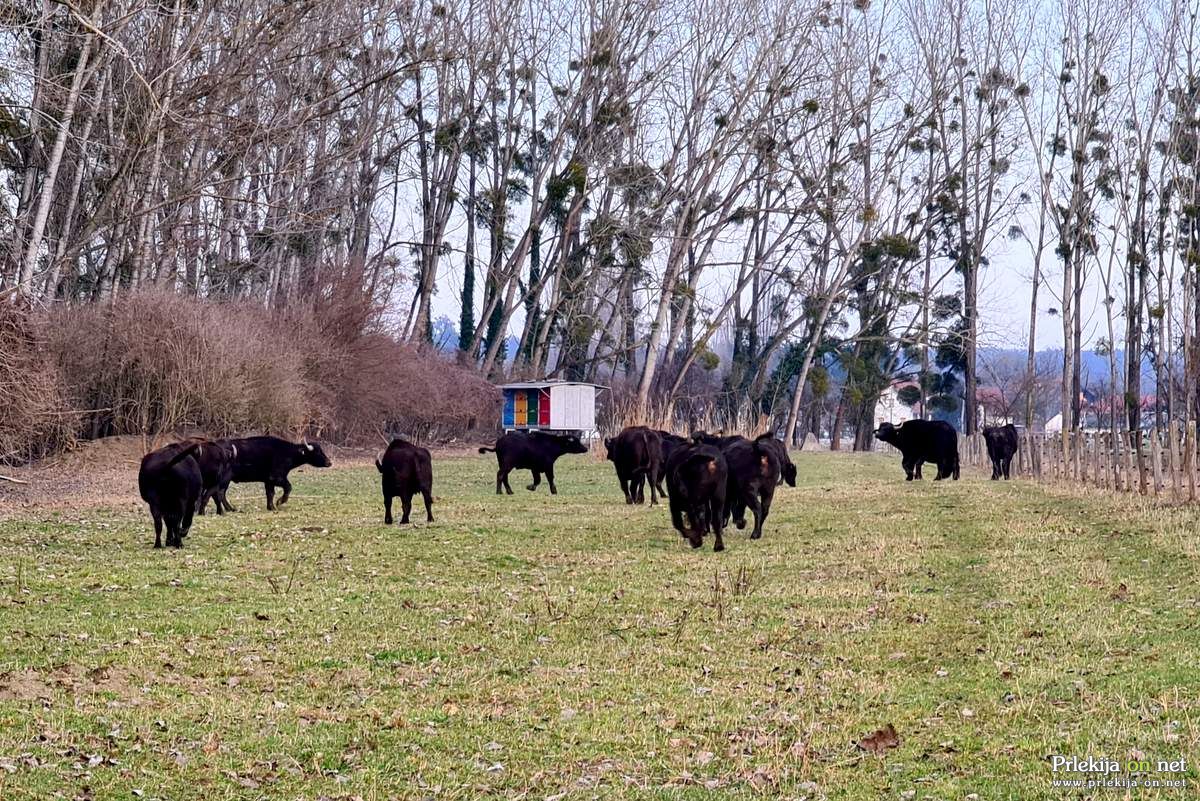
(554, 406)
(521, 409)
(508, 418)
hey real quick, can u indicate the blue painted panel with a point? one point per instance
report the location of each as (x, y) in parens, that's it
(510, 404)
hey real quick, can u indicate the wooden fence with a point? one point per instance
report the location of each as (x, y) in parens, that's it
(1154, 462)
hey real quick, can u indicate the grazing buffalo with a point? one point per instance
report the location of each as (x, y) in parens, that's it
(786, 468)
(637, 453)
(754, 473)
(270, 459)
(923, 441)
(1002, 442)
(169, 482)
(670, 443)
(405, 469)
(216, 460)
(697, 476)
(535, 451)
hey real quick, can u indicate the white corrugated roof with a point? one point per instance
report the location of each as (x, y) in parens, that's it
(540, 384)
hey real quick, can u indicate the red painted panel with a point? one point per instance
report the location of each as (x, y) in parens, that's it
(543, 408)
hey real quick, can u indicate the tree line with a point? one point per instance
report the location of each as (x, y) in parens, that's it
(603, 189)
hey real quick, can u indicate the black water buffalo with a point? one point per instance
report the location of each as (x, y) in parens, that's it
(535, 451)
(405, 470)
(754, 473)
(670, 443)
(216, 460)
(270, 459)
(717, 440)
(169, 482)
(637, 454)
(697, 477)
(923, 441)
(1002, 443)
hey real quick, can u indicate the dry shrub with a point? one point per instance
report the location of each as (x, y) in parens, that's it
(389, 388)
(155, 361)
(36, 418)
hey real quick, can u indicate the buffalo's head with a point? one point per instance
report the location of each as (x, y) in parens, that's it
(311, 453)
(608, 447)
(887, 433)
(789, 474)
(572, 444)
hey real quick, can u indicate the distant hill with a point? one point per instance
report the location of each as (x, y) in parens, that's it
(1094, 368)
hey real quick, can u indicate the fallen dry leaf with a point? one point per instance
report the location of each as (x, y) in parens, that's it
(881, 741)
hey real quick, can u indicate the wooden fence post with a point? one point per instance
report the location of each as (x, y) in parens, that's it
(1156, 457)
(1126, 461)
(1173, 458)
(1189, 458)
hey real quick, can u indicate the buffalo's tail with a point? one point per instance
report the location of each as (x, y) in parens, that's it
(183, 454)
(488, 450)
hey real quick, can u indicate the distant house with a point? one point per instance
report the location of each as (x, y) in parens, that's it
(890, 409)
(993, 409)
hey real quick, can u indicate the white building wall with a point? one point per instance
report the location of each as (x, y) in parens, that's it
(573, 407)
(889, 409)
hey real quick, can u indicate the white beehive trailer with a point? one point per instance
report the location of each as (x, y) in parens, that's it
(551, 406)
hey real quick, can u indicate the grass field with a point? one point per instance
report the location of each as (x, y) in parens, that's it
(573, 647)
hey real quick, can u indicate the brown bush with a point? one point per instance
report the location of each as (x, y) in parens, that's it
(36, 417)
(156, 362)
(389, 388)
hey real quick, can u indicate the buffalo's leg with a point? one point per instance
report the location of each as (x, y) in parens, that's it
(550, 480)
(287, 489)
(756, 508)
(537, 481)
(154, 513)
(910, 470)
(996, 469)
(736, 510)
(625, 488)
(427, 496)
(1007, 468)
(677, 519)
(204, 496)
(405, 504)
(507, 486)
(387, 510)
(270, 489)
(649, 478)
(768, 498)
(188, 510)
(499, 480)
(639, 488)
(222, 499)
(716, 516)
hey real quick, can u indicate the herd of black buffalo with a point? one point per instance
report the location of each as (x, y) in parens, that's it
(708, 479)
